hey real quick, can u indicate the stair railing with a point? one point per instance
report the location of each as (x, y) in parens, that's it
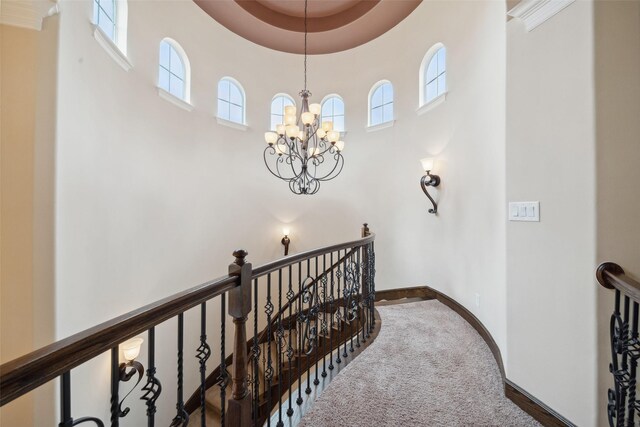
(623, 404)
(328, 296)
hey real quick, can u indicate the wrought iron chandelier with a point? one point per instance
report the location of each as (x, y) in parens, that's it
(302, 151)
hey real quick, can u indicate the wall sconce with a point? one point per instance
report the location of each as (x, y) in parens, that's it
(285, 240)
(429, 180)
(130, 350)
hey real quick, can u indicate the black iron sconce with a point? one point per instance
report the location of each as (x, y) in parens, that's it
(130, 368)
(429, 180)
(285, 241)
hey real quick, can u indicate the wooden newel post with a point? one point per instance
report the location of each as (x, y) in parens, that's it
(239, 412)
(365, 230)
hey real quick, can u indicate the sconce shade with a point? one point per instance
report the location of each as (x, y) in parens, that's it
(427, 163)
(285, 231)
(131, 348)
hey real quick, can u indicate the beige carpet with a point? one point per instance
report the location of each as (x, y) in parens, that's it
(428, 367)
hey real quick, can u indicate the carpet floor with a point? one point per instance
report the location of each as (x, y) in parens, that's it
(427, 367)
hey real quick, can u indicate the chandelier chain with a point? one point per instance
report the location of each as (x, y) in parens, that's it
(305, 44)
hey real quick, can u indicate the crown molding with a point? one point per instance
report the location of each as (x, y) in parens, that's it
(27, 13)
(535, 12)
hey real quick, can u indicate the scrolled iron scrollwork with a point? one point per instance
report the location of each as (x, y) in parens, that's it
(152, 390)
(127, 371)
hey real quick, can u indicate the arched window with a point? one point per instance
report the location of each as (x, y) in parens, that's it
(381, 103)
(174, 70)
(231, 100)
(110, 16)
(278, 103)
(433, 74)
(333, 111)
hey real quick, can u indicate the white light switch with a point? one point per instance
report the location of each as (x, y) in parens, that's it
(524, 211)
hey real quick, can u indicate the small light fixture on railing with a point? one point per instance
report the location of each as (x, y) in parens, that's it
(130, 350)
(285, 240)
(429, 180)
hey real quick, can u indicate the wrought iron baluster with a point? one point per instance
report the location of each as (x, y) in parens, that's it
(331, 299)
(316, 309)
(182, 417)
(290, 296)
(224, 378)
(323, 327)
(299, 321)
(352, 295)
(269, 371)
(613, 406)
(66, 420)
(364, 304)
(202, 354)
(152, 388)
(372, 278)
(345, 302)
(115, 384)
(339, 311)
(307, 326)
(280, 335)
(358, 297)
(65, 400)
(632, 350)
(256, 356)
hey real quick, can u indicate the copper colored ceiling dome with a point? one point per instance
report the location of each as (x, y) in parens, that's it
(279, 24)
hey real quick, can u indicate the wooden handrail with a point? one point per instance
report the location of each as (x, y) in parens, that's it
(21, 375)
(293, 259)
(611, 276)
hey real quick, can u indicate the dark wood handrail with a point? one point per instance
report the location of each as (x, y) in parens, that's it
(611, 276)
(21, 375)
(290, 260)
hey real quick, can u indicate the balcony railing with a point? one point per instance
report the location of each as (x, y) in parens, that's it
(307, 312)
(623, 404)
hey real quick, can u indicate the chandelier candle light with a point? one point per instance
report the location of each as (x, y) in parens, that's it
(303, 151)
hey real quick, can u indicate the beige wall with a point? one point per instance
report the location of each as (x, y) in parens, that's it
(28, 81)
(18, 98)
(551, 158)
(617, 83)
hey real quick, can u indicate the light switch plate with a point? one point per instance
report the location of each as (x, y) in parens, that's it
(524, 211)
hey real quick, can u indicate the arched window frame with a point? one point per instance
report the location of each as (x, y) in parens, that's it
(426, 61)
(184, 101)
(116, 45)
(276, 96)
(384, 123)
(227, 121)
(344, 115)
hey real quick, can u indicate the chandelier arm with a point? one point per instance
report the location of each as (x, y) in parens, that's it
(278, 160)
(292, 159)
(339, 162)
(285, 160)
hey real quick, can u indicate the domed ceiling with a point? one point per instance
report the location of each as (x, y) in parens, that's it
(333, 25)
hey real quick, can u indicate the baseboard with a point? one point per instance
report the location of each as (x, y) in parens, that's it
(532, 406)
